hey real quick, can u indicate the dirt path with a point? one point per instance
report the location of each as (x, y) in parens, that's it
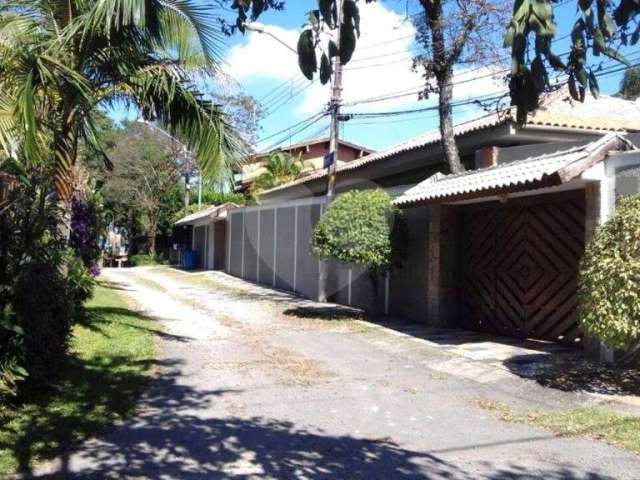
(253, 383)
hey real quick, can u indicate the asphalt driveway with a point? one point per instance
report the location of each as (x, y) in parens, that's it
(253, 383)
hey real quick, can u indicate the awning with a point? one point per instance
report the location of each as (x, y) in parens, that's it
(535, 172)
(215, 213)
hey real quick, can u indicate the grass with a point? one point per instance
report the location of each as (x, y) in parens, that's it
(143, 260)
(591, 422)
(111, 359)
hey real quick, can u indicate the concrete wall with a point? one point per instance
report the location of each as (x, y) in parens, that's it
(408, 284)
(271, 245)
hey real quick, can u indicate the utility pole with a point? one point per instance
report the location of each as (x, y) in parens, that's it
(334, 141)
(334, 107)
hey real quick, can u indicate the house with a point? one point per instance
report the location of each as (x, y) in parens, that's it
(205, 233)
(495, 248)
(311, 152)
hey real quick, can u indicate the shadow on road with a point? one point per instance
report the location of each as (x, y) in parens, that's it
(579, 374)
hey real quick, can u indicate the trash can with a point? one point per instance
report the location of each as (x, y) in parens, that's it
(189, 260)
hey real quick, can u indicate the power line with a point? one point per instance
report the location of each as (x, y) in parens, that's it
(287, 99)
(297, 124)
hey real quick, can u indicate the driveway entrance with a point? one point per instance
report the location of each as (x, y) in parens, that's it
(519, 265)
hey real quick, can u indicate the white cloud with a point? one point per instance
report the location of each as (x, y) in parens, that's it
(381, 65)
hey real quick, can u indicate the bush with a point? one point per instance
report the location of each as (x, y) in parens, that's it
(141, 260)
(46, 308)
(12, 370)
(358, 227)
(86, 228)
(38, 304)
(609, 285)
(81, 283)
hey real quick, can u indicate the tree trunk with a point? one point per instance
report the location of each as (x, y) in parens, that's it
(449, 147)
(65, 152)
(151, 238)
(443, 71)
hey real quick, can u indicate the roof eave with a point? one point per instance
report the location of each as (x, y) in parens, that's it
(546, 181)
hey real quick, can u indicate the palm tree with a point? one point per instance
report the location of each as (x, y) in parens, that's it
(62, 61)
(282, 168)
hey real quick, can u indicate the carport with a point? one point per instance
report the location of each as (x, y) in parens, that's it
(209, 235)
(505, 241)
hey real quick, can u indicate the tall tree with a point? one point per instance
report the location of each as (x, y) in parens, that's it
(60, 60)
(143, 178)
(453, 33)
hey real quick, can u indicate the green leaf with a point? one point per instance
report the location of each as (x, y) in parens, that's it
(616, 55)
(352, 15)
(573, 88)
(539, 74)
(556, 62)
(325, 69)
(307, 60)
(593, 84)
(333, 49)
(347, 43)
(599, 45)
(257, 7)
(326, 10)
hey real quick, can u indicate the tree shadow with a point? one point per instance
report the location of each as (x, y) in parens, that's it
(576, 374)
(331, 312)
(95, 318)
(93, 395)
(173, 443)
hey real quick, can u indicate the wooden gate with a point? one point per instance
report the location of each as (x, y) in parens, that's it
(519, 265)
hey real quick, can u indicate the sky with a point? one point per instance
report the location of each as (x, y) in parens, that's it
(260, 66)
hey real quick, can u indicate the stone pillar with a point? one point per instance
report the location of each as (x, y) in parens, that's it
(433, 265)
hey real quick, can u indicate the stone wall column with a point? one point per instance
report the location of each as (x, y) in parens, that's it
(434, 274)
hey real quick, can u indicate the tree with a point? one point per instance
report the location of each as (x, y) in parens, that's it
(282, 168)
(362, 228)
(60, 60)
(602, 27)
(142, 180)
(630, 84)
(356, 228)
(610, 280)
(454, 33)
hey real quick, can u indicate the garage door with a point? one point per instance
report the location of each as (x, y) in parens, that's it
(519, 265)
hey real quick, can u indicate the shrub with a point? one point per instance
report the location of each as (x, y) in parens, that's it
(12, 371)
(609, 285)
(141, 260)
(81, 283)
(46, 309)
(86, 228)
(358, 227)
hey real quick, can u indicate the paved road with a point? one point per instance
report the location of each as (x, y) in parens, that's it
(255, 384)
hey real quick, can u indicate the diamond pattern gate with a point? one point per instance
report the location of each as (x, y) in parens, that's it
(519, 265)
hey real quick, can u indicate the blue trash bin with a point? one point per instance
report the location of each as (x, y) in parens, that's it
(189, 260)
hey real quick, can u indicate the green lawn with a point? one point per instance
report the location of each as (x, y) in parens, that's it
(599, 423)
(593, 422)
(112, 356)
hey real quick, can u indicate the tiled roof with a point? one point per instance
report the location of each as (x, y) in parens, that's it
(314, 141)
(602, 114)
(533, 172)
(210, 212)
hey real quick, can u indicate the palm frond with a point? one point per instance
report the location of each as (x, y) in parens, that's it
(164, 93)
